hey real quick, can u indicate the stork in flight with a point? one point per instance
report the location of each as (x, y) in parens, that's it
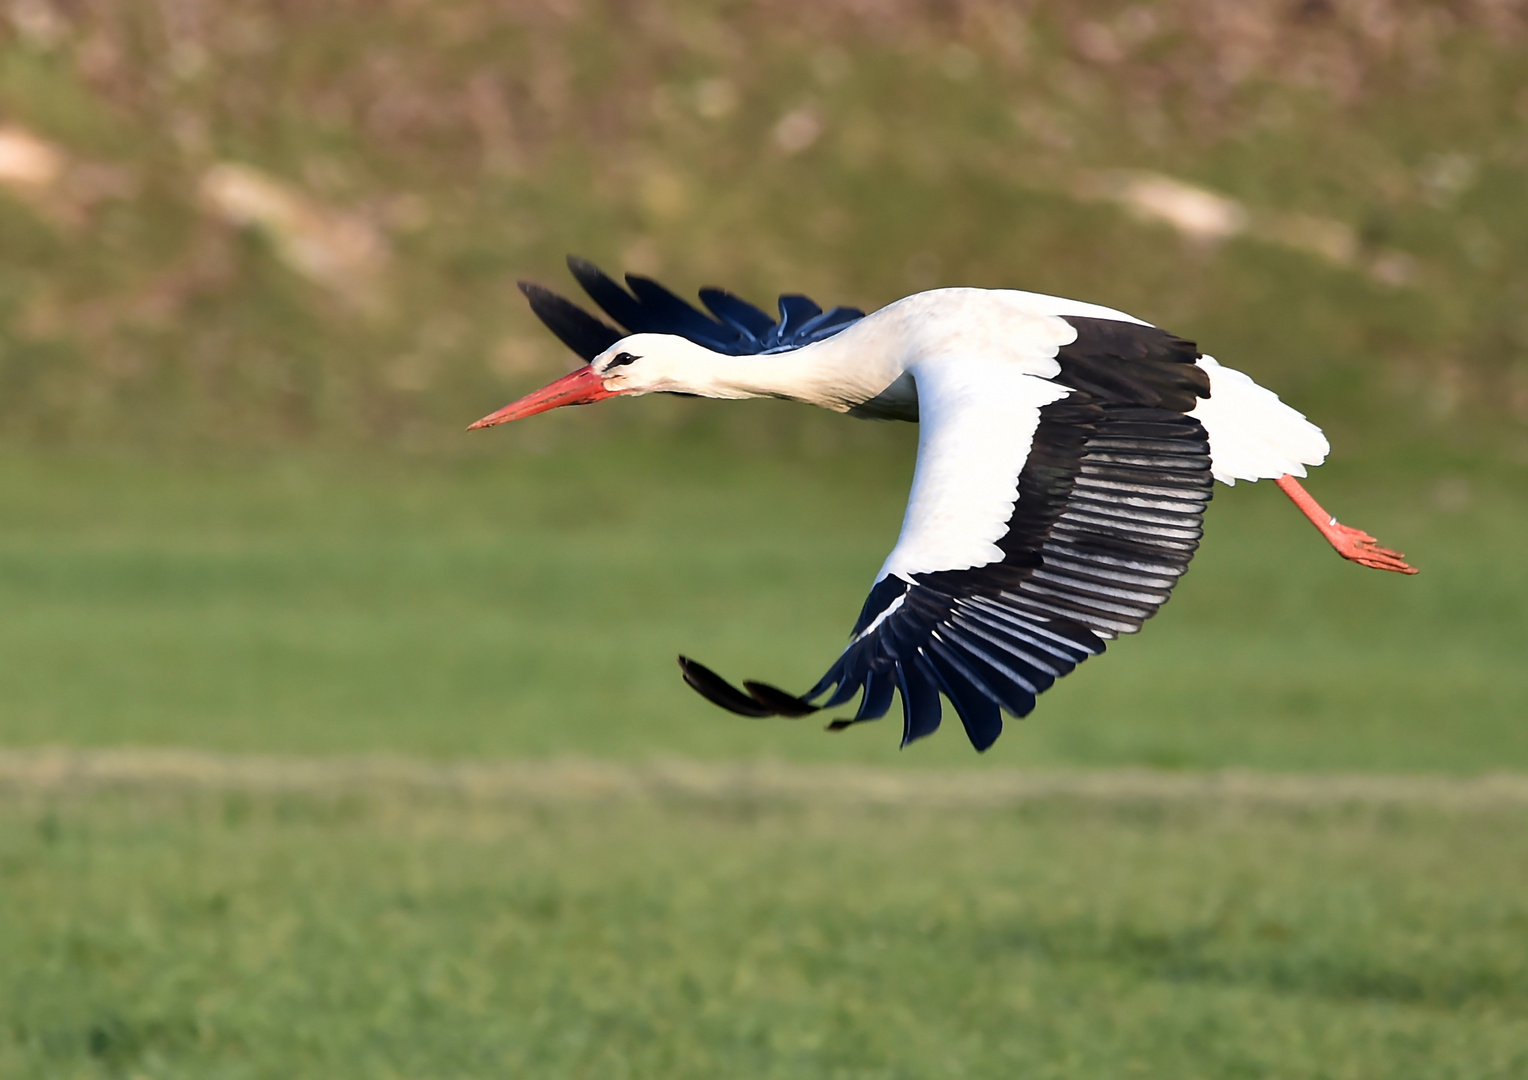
(1065, 455)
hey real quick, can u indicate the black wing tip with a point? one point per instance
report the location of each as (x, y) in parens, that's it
(718, 691)
(596, 282)
(784, 704)
(580, 331)
(738, 328)
(760, 701)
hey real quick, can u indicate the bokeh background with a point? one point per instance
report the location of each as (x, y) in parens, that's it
(257, 273)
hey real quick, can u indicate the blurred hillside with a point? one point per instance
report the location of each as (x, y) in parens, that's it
(260, 221)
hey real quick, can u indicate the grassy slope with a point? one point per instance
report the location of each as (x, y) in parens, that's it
(253, 936)
(481, 141)
(531, 603)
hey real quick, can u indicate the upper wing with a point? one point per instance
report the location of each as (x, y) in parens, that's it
(1046, 518)
(737, 329)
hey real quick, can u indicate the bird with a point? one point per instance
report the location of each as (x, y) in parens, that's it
(1066, 455)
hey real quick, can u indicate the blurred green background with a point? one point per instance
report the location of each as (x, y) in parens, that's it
(257, 272)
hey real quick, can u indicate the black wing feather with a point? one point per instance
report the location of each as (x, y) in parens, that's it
(685, 320)
(717, 690)
(1130, 363)
(616, 301)
(737, 311)
(974, 703)
(920, 699)
(796, 312)
(880, 686)
(575, 327)
(740, 329)
(782, 703)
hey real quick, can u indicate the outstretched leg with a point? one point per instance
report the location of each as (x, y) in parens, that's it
(1350, 543)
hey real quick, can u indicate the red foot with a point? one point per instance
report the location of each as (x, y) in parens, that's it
(1350, 543)
(1360, 547)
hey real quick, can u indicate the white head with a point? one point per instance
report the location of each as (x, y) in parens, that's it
(638, 364)
(654, 363)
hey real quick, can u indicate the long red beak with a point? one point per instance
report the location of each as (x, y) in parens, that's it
(581, 387)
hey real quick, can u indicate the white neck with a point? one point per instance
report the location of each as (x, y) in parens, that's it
(860, 362)
(839, 373)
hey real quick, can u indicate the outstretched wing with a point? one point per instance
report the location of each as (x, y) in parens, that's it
(1008, 574)
(734, 327)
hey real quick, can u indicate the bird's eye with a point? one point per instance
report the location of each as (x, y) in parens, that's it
(620, 360)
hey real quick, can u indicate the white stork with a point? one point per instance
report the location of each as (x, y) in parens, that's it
(1065, 455)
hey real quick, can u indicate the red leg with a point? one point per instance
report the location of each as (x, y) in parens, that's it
(1350, 543)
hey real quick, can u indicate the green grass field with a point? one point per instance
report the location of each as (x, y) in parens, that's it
(526, 604)
(530, 604)
(371, 932)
